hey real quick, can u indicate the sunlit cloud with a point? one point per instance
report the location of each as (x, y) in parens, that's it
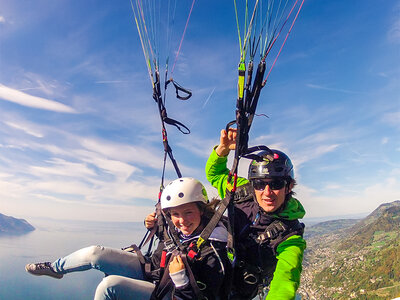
(60, 167)
(394, 32)
(392, 118)
(308, 154)
(24, 128)
(113, 167)
(341, 204)
(122, 152)
(320, 87)
(383, 74)
(197, 145)
(112, 81)
(2, 20)
(25, 99)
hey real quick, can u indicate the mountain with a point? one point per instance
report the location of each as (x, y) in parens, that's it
(10, 225)
(328, 227)
(353, 259)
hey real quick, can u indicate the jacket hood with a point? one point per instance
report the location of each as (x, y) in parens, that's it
(292, 210)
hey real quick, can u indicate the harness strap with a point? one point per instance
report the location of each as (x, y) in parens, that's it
(192, 280)
(166, 284)
(163, 286)
(171, 238)
(181, 127)
(243, 193)
(278, 231)
(179, 88)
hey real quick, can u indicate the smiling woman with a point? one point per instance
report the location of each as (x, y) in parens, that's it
(177, 273)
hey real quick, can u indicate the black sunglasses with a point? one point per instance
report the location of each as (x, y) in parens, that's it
(260, 184)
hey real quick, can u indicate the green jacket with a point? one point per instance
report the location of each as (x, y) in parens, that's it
(286, 279)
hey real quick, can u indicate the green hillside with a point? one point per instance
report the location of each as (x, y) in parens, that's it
(358, 262)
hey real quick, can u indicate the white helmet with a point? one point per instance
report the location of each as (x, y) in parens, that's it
(181, 191)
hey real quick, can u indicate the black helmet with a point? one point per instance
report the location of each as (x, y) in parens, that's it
(281, 166)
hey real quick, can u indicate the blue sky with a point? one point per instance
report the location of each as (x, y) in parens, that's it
(80, 133)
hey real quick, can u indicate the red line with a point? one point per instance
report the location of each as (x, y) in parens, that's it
(287, 35)
(283, 25)
(183, 35)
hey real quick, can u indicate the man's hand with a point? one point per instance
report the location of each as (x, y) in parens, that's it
(150, 221)
(227, 142)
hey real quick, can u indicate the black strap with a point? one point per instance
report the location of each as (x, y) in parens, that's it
(166, 120)
(244, 193)
(181, 127)
(163, 286)
(278, 231)
(192, 279)
(166, 284)
(179, 88)
(209, 228)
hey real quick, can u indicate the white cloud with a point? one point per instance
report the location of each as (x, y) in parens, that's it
(24, 99)
(197, 145)
(60, 167)
(114, 167)
(25, 128)
(309, 154)
(392, 118)
(122, 152)
(320, 87)
(2, 20)
(365, 201)
(394, 32)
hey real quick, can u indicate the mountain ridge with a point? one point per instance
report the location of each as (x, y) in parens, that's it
(11, 225)
(354, 261)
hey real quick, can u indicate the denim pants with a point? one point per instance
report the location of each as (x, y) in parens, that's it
(125, 280)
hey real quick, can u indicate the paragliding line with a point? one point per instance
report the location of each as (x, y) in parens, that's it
(183, 35)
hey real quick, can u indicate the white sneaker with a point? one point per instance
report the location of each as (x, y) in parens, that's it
(42, 269)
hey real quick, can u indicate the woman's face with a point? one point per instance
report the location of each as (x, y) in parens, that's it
(186, 217)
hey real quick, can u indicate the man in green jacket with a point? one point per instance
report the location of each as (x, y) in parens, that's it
(267, 234)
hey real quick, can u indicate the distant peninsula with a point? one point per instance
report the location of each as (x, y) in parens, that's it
(11, 225)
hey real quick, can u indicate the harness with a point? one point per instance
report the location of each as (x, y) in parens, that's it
(169, 248)
(256, 252)
(165, 284)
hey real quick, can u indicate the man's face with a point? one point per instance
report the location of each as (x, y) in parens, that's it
(270, 193)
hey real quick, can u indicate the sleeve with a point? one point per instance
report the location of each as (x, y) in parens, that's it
(286, 278)
(217, 173)
(179, 278)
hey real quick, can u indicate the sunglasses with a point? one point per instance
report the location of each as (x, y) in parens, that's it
(260, 184)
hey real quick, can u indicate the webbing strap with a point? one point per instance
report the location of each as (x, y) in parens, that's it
(163, 286)
(209, 228)
(192, 279)
(171, 238)
(179, 88)
(166, 284)
(166, 120)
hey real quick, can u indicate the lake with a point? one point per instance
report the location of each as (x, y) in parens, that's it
(53, 239)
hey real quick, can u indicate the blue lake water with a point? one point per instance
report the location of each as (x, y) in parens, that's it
(50, 240)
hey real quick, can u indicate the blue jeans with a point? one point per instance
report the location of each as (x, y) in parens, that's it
(126, 280)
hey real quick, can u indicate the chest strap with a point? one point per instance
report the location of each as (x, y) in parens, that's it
(278, 231)
(166, 284)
